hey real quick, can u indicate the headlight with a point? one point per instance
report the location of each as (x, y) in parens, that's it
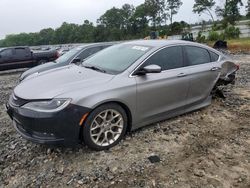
(53, 105)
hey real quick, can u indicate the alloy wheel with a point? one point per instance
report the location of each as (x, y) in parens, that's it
(106, 127)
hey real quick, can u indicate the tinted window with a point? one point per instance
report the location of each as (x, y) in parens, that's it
(214, 56)
(20, 52)
(68, 56)
(6, 53)
(196, 55)
(167, 58)
(117, 58)
(90, 51)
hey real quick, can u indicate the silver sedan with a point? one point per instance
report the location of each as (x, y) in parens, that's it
(120, 89)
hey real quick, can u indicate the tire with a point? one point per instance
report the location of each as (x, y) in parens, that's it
(101, 122)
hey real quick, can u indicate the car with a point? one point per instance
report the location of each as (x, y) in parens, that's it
(23, 57)
(63, 51)
(119, 89)
(75, 55)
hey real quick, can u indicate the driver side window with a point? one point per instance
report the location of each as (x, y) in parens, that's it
(167, 58)
(6, 53)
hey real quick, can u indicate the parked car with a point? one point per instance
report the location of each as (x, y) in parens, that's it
(121, 88)
(20, 57)
(62, 51)
(75, 55)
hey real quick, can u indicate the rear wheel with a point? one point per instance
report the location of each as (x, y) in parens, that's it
(105, 127)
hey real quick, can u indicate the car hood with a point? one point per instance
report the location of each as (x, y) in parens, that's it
(39, 68)
(52, 83)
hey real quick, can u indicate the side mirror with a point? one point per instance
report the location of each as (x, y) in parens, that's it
(149, 69)
(76, 60)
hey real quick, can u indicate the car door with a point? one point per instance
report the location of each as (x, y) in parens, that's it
(204, 71)
(6, 56)
(158, 93)
(21, 55)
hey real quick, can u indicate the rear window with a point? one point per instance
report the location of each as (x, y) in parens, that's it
(214, 56)
(167, 58)
(197, 55)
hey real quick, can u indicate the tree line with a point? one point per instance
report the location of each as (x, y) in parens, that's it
(130, 22)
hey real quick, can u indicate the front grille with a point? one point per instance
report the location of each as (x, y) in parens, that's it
(17, 101)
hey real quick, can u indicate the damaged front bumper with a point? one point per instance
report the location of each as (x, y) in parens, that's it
(48, 128)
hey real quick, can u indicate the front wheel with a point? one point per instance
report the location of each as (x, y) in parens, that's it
(105, 127)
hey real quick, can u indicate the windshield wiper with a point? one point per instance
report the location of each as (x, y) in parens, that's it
(94, 68)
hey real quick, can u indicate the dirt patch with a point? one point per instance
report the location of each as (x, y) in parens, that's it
(206, 148)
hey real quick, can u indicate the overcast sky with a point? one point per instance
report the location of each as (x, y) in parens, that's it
(33, 15)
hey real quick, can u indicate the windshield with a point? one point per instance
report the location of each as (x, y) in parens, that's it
(65, 58)
(117, 58)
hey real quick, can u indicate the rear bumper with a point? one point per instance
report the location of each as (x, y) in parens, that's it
(61, 128)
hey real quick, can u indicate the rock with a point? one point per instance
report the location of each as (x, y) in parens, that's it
(60, 170)
(199, 173)
(114, 169)
(12, 146)
(154, 159)
(80, 182)
(70, 181)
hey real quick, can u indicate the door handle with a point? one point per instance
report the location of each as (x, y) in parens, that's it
(181, 75)
(215, 68)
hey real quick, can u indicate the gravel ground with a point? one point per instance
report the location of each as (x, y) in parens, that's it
(206, 148)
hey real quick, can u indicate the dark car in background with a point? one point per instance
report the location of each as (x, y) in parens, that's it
(21, 57)
(75, 55)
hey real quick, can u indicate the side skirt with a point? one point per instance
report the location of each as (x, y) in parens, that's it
(174, 113)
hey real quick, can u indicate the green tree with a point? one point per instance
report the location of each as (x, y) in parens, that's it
(178, 28)
(204, 6)
(248, 9)
(85, 32)
(127, 12)
(173, 6)
(46, 36)
(112, 18)
(155, 10)
(230, 11)
(66, 33)
(139, 21)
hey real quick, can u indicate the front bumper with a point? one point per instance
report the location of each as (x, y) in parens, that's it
(48, 128)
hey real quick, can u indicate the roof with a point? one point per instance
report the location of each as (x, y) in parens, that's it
(98, 44)
(159, 43)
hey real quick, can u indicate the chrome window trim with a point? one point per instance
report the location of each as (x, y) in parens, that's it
(173, 45)
(135, 69)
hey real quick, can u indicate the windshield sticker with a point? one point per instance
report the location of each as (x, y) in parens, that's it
(142, 48)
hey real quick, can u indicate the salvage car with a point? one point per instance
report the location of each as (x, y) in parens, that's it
(22, 57)
(119, 89)
(75, 55)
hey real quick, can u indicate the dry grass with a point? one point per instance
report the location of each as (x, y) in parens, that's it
(239, 44)
(242, 44)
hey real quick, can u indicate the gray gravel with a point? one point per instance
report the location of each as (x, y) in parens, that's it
(206, 148)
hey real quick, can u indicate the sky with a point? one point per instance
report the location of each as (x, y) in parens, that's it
(18, 16)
